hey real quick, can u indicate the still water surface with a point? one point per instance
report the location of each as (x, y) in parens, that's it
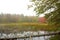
(27, 34)
(36, 38)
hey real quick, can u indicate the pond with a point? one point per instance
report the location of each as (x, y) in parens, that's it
(26, 33)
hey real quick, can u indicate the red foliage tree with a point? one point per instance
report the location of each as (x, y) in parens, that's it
(42, 19)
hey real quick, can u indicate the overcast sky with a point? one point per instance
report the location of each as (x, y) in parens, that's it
(16, 7)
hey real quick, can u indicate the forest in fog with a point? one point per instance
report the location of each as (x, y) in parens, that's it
(13, 18)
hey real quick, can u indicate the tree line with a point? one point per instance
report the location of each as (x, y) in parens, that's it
(13, 18)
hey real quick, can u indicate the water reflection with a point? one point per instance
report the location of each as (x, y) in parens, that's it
(35, 38)
(26, 33)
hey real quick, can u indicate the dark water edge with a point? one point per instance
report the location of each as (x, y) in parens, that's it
(37, 38)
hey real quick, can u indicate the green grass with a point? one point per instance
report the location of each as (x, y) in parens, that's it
(16, 27)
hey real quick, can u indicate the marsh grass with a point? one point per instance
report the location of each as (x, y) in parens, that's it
(17, 27)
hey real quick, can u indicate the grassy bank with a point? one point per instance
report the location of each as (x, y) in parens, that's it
(17, 27)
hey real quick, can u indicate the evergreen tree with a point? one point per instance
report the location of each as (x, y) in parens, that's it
(45, 7)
